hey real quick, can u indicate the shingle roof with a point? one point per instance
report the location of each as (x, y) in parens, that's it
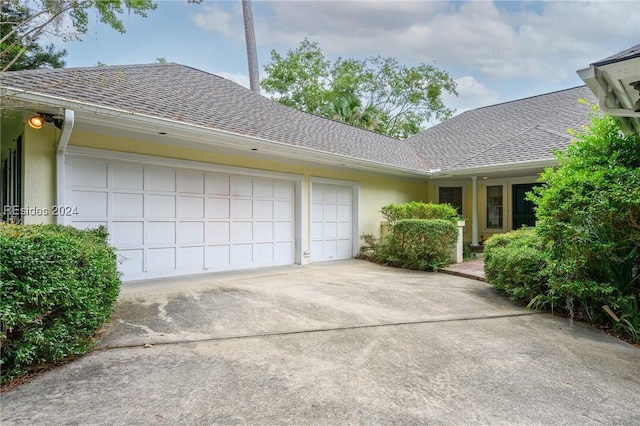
(630, 53)
(524, 130)
(187, 95)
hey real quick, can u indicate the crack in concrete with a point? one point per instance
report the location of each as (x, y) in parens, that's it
(308, 331)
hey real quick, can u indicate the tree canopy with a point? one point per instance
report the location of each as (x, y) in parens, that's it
(24, 21)
(377, 93)
(17, 56)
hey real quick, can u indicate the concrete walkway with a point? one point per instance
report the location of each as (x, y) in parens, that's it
(335, 343)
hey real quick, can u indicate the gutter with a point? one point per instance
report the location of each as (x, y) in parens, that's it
(67, 127)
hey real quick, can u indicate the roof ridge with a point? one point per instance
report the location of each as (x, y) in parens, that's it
(525, 99)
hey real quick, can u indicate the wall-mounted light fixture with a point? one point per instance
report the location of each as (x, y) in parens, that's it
(38, 120)
(636, 86)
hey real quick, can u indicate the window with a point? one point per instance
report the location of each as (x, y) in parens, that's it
(451, 195)
(494, 207)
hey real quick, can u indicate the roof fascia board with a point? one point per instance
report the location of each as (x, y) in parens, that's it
(520, 166)
(203, 135)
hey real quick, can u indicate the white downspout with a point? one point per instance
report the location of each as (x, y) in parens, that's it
(474, 212)
(67, 127)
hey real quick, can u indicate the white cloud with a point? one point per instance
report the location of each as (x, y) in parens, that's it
(473, 94)
(217, 19)
(499, 39)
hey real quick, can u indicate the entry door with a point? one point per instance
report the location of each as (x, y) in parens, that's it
(523, 209)
(331, 222)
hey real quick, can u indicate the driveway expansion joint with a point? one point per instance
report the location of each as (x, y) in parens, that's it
(147, 344)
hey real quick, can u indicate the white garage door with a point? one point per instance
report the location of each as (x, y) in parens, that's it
(331, 222)
(166, 221)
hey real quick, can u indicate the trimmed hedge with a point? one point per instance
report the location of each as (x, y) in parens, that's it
(418, 244)
(417, 210)
(514, 263)
(58, 286)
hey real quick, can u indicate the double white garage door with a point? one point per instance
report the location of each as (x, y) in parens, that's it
(167, 221)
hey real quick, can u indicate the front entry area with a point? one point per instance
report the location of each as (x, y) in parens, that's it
(167, 221)
(523, 209)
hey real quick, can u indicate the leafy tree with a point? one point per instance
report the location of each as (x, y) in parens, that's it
(32, 18)
(589, 223)
(376, 93)
(31, 56)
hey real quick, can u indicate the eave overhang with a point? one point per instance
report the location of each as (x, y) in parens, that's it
(105, 120)
(612, 83)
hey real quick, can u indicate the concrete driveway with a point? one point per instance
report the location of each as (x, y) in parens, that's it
(335, 343)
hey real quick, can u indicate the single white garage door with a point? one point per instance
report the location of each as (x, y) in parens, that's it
(331, 222)
(167, 221)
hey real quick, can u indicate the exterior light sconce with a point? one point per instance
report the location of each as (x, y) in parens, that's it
(37, 121)
(636, 86)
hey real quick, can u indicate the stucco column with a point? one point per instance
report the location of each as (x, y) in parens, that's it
(474, 212)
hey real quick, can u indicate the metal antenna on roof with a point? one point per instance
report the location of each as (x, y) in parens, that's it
(252, 53)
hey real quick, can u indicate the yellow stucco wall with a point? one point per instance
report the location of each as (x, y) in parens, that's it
(375, 190)
(39, 174)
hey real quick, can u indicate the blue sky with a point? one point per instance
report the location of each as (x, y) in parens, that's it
(497, 50)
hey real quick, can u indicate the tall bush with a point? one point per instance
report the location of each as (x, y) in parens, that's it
(418, 244)
(589, 221)
(417, 210)
(58, 286)
(515, 264)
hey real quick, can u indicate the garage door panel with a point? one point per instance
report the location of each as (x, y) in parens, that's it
(191, 232)
(241, 231)
(190, 181)
(330, 212)
(344, 230)
(242, 254)
(241, 209)
(263, 209)
(283, 231)
(127, 234)
(263, 231)
(219, 257)
(283, 210)
(241, 186)
(263, 253)
(162, 259)
(128, 205)
(161, 233)
(127, 176)
(263, 188)
(344, 212)
(162, 206)
(283, 190)
(191, 207)
(160, 179)
(218, 232)
(86, 173)
(217, 184)
(131, 262)
(218, 208)
(191, 259)
(90, 203)
(283, 252)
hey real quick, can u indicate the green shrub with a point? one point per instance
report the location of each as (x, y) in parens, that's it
(58, 286)
(514, 263)
(418, 244)
(417, 210)
(589, 216)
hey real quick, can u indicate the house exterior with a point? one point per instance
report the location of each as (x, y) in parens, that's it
(193, 173)
(487, 159)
